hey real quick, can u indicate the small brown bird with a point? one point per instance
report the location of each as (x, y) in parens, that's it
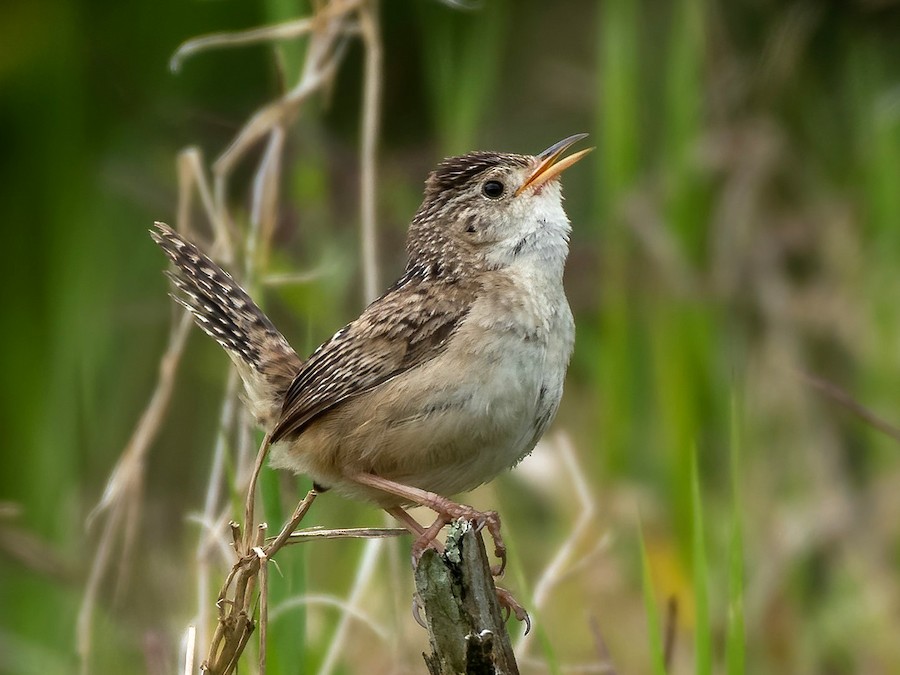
(444, 381)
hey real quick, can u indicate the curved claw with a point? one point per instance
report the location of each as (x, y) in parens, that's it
(499, 570)
(491, 520)
(527, 620)
(417, 611)
(512, 606)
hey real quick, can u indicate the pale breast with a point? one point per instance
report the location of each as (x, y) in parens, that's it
(458, 420)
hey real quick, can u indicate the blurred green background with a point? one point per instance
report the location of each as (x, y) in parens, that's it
(736, 241)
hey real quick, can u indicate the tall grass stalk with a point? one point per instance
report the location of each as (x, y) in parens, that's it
(735, 651)
(702, 626)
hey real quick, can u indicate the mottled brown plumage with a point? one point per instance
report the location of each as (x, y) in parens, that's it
(402, 329)
(265, 360)
(444, 381)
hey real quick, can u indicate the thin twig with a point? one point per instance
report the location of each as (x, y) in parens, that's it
(291, 525)
(250, 504)
(281, 31)
(263, 606)
(846, 400)
(314, 534)
(264, 204)
(600, 646)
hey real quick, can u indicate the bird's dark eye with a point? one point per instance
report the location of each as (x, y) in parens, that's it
(492, 189)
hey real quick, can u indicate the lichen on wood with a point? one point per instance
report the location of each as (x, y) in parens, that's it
(465, 623)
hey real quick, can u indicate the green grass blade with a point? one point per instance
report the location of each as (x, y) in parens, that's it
(702, 630)
(651, 608)
(463, 61)
(619, 97)
(618, 168)
(734, 643)
(287, 650)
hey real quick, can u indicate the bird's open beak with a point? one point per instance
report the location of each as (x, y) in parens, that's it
(549, 163)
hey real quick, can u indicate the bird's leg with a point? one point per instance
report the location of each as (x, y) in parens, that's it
(427, 537)
(446, 509)
(416, 528)
(421, 541)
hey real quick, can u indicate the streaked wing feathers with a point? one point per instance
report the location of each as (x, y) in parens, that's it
(407, 326)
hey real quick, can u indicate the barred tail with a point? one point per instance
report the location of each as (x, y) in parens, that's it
(264, 359)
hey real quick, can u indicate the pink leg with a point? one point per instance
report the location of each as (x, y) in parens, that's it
(420, 533)
(446, 509)
(416, 528)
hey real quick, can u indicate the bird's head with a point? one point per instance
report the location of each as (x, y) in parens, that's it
(488, 209)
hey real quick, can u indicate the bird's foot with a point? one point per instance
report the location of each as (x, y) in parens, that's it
(451, 511)
(428, 539)
(491, 521)
(513, 607)
(446, 509)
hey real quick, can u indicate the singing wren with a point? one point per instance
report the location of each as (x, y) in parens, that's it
(447, 379)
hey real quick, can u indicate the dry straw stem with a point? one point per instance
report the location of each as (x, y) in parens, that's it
(327, 32)
(566, 561)
(121, 501)
(606, 664)
(844, 399)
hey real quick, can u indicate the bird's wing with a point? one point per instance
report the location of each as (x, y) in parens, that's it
(407, 326)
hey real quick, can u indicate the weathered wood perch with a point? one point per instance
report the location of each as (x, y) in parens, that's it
(465, 621)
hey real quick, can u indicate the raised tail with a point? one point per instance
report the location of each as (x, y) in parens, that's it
(264, 359)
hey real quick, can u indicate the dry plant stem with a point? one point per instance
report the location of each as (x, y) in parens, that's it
(123, 490)
(318, 71)
(558, 567)
(291, 525)
(313, 599)
(606, 662)
(368, 22)
(263, 216)
(191, 175)
(327, 30)
(263, 606)
(844, 399)
(265, 203)
(318, 534)
(123, 486)
(189, 650)
(236, 607)
(251, 494)
(84, 633)
(365, 572)
(282, 31)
